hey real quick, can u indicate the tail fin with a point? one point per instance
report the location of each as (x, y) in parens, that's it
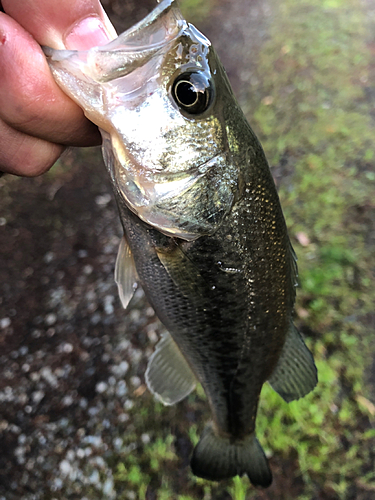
(216, 458)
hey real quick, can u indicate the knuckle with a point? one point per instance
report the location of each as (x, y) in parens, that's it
(31, 159)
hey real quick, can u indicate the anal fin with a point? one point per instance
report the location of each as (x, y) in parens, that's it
(125, 273)
(295, 374)
(168, 375)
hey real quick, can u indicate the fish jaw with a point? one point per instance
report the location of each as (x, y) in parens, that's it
(81, 74)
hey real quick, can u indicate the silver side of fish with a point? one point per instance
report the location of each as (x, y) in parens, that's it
(204, 232)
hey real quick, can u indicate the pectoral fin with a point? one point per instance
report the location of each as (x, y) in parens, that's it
(168, 375)
(295, 374)
(125, 273)
(181, 270)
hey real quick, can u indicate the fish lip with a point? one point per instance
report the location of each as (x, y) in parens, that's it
(134, 35)
(137, 45)
(162, 8)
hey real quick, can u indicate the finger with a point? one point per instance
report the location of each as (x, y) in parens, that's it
(68, 24)
(30, 100)
(24, 155)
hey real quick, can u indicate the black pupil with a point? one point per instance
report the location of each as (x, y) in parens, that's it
(193, 92)
(186, 93)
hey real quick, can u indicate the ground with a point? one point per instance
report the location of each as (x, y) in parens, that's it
(76, 420)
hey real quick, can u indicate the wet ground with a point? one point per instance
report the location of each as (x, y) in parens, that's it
(73, 405)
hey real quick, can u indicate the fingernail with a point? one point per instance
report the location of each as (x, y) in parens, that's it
(87, 33)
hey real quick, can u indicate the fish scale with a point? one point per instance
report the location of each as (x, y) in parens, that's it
(204, 231)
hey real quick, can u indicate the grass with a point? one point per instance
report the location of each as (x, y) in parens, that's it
(313, 112)
(310, 111)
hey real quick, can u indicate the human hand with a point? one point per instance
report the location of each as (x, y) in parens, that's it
(37, 120)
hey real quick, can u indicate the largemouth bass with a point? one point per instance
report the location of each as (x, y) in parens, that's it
(204, 232)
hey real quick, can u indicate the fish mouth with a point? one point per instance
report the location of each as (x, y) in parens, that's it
(132, 49)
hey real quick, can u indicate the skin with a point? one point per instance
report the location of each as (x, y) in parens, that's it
(37, 120)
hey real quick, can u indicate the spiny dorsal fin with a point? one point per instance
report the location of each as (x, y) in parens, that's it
(295, 374)
(168, 375)
(125, 273)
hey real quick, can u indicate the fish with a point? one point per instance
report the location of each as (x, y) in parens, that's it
(204, 232)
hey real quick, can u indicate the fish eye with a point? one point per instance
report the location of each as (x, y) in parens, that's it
(192, 92)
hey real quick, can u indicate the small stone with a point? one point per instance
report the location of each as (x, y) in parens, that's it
(36, 334)
(118, 442)
(57, 483)
(4, 323)
(3, 425)
(136, 381)
(121, 369)
(83, 403)
(145, 438)
(19, 451)
(101, 387)
(92, 411)
(50, 319)
(37, 396)
(23, 350)
(48, 257)
(128, 405)
(67, 348)
(48, 376)
(22, 439)
(108, 487)
(65, 467)
(94, 478)
(103, 199)
(150, 312)
(67, 400)
(82, 254)
(123, 417)
(88, 269)
(108, 304)
(95, 318)
(121, 388)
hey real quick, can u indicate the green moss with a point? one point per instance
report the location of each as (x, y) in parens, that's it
(313, 112)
